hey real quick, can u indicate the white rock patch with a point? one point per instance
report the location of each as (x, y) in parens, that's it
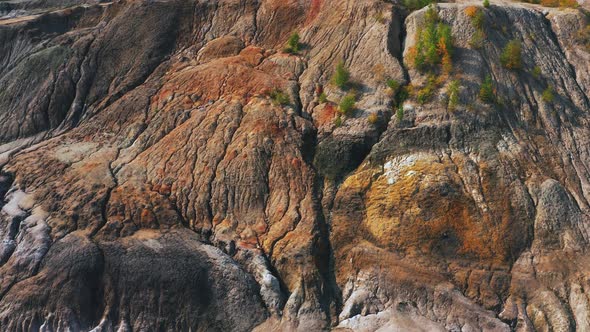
(33, 241)
(392, 168)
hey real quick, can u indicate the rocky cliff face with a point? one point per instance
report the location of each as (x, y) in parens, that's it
(165, 165)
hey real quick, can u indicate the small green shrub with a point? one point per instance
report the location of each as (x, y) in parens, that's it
(341, 77)
(453, 92)
(347, 104)
(279, 98)
(511, 57)
(425, 94)
(431, 14)
(477, 39)
(338, 121)
(486, 3)
(537, 72)
(393, 85)
(373, 118)
(476, 16)
(323, 98)
(293, 45)
(486, 91)
(548, 95)
(399, 114)
(477, 19)
(402, 95)
(416, 4)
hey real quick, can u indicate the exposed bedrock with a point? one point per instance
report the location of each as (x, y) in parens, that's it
(167, 165)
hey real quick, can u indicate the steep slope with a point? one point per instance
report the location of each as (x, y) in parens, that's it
(481, 205)
(165, 165)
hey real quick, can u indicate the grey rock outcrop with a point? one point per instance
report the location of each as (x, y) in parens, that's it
(167, 166)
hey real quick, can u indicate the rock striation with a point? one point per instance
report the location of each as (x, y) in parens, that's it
(168, 165)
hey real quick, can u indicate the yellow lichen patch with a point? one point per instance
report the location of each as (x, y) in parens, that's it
(359, 181)
(390, 199)
(419, 205)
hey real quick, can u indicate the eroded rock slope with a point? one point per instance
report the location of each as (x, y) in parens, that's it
(154, 178)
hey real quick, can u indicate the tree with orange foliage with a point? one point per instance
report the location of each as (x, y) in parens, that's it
(447, 64)
(434, 44)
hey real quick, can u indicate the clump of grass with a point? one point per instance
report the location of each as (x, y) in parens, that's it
(486, 3)
(486, 91)
(373, 118)
(393, 85)
(395, 88)
(347, 104)
(477, 39)
(537, 72)
(399, 114)
(416, 4)
(341, 76)
(323, 98)
(279, 98)
(476, 16)
(293, 45)
(548, 95)
(338, 121)
(425, 94)
(401, 95)
(453, 92)
(477, 19)
(511, 57)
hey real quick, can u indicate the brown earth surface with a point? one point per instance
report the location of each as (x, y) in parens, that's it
(150, 181)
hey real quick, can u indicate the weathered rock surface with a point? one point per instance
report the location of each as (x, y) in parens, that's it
(150, 181)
